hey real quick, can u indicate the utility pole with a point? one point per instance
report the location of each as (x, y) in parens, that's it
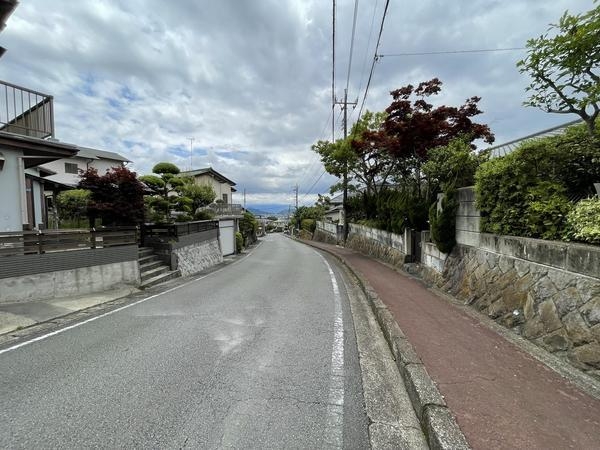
(244, 198)
(344, 105)
(191, 151)
(296, 191)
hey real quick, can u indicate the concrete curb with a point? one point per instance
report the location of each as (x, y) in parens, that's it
(438, 423)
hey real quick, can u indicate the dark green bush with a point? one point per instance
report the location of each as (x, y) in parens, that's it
(443, 223)
(309, 225)
(204, 214)
(390, 210)
(239, 242)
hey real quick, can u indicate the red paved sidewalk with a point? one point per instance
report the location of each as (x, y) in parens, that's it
(502, 397)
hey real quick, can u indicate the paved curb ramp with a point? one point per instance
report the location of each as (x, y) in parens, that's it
(437, 422)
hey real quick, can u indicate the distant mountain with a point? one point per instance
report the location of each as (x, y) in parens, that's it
(268, 210)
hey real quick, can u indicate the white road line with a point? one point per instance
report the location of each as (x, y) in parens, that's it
(335, 406)
(70, 327)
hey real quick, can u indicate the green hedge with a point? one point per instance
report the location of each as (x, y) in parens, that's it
(583, 222)
(525, 193)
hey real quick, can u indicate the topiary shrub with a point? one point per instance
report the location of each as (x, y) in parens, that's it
(204, 214)
(583, 221)
(239, 242)
(443, 223)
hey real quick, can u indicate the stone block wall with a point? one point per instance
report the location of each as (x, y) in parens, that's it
(320, 235)
(548, 292)
(388, 247)
(198, 256)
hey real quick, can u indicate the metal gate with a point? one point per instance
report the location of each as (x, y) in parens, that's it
(227, 237)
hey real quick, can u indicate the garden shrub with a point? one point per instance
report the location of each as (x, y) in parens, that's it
(443, 223)
(505, 187)
(583, 221)
(309, 225)
(72, 207)
(547, 209)
(239, 242)
(204, 214)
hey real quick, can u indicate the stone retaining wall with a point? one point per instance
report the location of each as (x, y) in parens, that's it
(321, 235)
(194, 258)
(548, 292)
(375, 249)
(190, 253)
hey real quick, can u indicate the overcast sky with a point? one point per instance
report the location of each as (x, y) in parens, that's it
(250, 80)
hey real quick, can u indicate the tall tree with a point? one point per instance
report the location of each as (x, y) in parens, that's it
(416, 127)
(564, 67)
(363, 154)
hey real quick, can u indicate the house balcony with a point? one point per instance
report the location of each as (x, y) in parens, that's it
(26, 112)
(225, 209)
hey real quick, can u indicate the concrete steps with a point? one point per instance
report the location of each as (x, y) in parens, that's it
(152, 270)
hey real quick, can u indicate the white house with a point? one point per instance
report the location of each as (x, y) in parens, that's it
(66, 171)
(223, 186)
(23, 202)
(227, 213)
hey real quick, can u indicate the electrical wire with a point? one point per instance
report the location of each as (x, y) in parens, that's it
(375, 59)
(362, 72)
(352, 44)
(449, 52)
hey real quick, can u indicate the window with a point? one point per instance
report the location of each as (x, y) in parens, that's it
(71, 168)
(225, 199)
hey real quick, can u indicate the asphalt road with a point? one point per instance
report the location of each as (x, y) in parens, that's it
(261, 354)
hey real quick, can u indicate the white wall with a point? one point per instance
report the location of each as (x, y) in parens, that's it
(102, 165)
(219, 188)
(59, 167)
(10, 189)
(37, 203)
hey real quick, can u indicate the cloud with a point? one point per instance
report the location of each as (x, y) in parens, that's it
(251, 81)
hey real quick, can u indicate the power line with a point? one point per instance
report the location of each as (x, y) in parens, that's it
(352, 44)
(319, 137)
(375, 59)
(333, 75)
(313, 185)
(362, 72)
(449, 52)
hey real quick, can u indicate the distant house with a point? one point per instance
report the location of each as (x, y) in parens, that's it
(66, 171)
(227, 212)
(223, 186)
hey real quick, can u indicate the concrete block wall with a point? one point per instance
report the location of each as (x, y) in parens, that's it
(468, 218)
(65, 274)
(432, 257)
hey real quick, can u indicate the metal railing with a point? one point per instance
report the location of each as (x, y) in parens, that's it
(175, 230)
(33, 242)
(224, 209)
(26, 112)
